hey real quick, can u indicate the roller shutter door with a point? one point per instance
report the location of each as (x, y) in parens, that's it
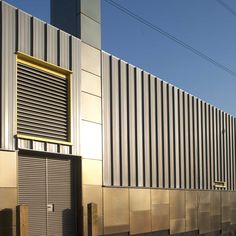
(46, 185)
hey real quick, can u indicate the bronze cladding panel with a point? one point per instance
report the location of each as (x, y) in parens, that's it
(225, 207)
(160, 210)
(215, 211)
(177, 211)
(116, 210)
(140, 212)
(233, 207)
(191, 211)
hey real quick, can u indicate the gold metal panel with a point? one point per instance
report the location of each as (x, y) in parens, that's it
(8, 169)
(204, 220)
(233, 207)
(91, 140)
(116, 210)
(90, 108)
(191, 210)
(140, 222)
(93, 194)
(140, 211)
(160, 209)
(177, 226)
(92, 172)
(177, 204)
(90, 59)
(90, 83)
(204, 199)
(225, 207)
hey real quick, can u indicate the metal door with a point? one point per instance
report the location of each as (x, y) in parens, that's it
(47, 186)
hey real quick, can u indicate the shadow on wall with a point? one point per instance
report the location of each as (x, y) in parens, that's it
(6, 222)
(68, 223)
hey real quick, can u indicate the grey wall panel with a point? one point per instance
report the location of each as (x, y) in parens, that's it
(24, 32)
(196, 143)
(8, 77)
(124, 125)
(165, 134)
(140, 145)
(106, 120)
(159, 135)
(146, 130)
(64, 50)
(115, 120)
(177, 138)
(153, 129)
(76, 91)
(131, 124)
(38, 39)
(186, 139)
(52, 44)
(171, 137)
(191, 143)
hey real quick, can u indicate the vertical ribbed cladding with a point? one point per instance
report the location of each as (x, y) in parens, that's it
(187, 140)
(204, 152)
(207, 148)
(211, 148)
(1, 60)
(196, 144)
(8, 76)
(191, 142)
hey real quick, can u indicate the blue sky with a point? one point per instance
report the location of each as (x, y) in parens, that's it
(204, 24)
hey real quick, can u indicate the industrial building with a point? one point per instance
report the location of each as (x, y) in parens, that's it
(79, 126)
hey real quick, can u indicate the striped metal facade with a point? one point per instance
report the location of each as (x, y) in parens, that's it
(21, 32)
(156, 135)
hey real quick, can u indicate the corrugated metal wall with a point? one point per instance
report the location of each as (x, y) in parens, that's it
(24, 33)
(156, 135)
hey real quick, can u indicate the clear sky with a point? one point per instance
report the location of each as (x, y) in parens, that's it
(203, 24)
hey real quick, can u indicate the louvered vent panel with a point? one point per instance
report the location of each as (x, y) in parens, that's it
(42, 103)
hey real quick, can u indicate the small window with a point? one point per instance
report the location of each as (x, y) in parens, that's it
(43, 101)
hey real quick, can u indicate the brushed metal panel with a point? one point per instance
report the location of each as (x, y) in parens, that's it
(204, 157)
(115, 100)
(203, 222)
(8, 170)
(90, 31)
(153, 120)
(39, 146)
(8, 80)
(91, 8)
(191, 143)
(233, 207)
(225, 207)
(191, 210)
(91, 145)
(140, 146)
(124, 123)
(196, 144)
(200, 165)
(106, 119)
(24, 144)
(91, 172)
(177, 138)
(177, 226)
(165, 91)
(91, 108)
(146, 130)
(140, 210)
(52, 44)
(186, 141)
(171, 136)
(159, 134)
(116, 210)
(160, 209)
(93, 194)
(90, 83)
(131, 124)
(215, 211)
(177, 204)
(38, 39)
(76, 91)
(90, 59)
(24, 32)
(64, 50)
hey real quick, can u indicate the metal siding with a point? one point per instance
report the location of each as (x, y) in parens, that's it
(75, 96)
(177, 138)
(208, 163)
(204, 156)
(221, 134)
(139, 127)
(8, 79)
(147, 130)
(159, 135)
(165, 91)
(52, 44)
(171, 138)
(200, 169)
(196, 143)
(115, 121)
(123, 128)
(191, 143)
(218, 145)
(215, 143)
(38, 39)
(106, 120)
(24, 33)
(228, 153)
(233, 152)
(187, 156)
(64, 50)
(153, 128)
(38, 146)
(132, 133)
(211, 149)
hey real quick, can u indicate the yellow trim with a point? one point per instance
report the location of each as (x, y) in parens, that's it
(54, 70)
(22, 136)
